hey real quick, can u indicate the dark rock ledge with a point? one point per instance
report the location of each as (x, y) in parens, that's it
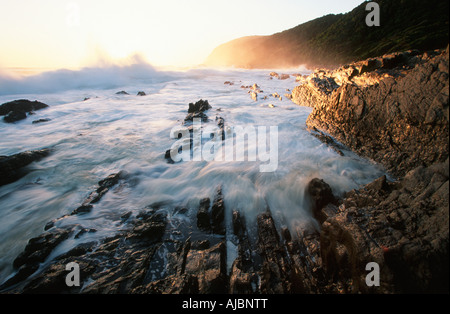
(13, 167)
(17, 110)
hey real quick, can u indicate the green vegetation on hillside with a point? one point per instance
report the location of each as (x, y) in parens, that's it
(333, 40)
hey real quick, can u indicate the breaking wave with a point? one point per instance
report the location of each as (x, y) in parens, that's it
(106, 76)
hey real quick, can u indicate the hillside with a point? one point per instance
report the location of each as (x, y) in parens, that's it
(333, 40)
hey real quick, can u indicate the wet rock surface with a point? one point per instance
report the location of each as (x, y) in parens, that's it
(17, 110)
(13, 167)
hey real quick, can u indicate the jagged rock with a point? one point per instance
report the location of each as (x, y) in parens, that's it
(141, 93)
(197, 110)
(279, 76)
(319, 194)
(278, 274)
(393, 109)
(211, 217)
(40, 247)
(151, 227)
(402, 225)
(12, 167)
(199, 106)
(315, 91)
(243, 275)
(328, 140)
(209, 266)
(395, 113)
(218, 213)
(203, 219)
(36, 251)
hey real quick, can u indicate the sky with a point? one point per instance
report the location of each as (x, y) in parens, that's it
(79, 33)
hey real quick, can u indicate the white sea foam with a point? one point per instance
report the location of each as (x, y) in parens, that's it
(108, 133)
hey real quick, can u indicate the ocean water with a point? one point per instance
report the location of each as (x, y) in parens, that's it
(107, 133)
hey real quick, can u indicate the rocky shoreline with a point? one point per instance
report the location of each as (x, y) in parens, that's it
(392, 109)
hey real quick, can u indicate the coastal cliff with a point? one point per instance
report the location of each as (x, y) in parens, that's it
(334, 40)
(394, 110)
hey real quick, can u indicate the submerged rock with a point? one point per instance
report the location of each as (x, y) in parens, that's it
(41, 121)
(103, 187)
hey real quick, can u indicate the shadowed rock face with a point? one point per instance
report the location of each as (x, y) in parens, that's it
(392, 109)
(12, 167)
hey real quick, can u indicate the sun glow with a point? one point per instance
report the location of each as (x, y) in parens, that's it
(76, 33)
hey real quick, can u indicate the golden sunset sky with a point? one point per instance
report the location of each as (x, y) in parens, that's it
(78, 33)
